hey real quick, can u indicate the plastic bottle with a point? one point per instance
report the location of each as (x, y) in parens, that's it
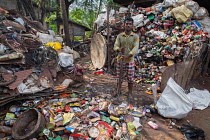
(119, 134)
(124, 128)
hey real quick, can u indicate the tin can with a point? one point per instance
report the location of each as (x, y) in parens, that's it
(113, 123)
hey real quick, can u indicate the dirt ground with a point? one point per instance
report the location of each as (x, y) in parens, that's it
(106, 83)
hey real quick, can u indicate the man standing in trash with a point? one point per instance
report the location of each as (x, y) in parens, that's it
(127, 43)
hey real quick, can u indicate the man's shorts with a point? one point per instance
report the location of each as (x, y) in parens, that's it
(128, 69)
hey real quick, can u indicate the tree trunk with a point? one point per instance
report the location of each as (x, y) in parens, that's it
(65, 23)
(43, 11)
(29, 8)
(58, 16)
(99, 7)
(20, 7)
(68, 3)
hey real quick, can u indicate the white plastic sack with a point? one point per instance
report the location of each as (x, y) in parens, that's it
(45, 38)
(201, 13)
(67, 49)
(168, 3)
(58, 39)
(205, 24)
(100, 19)
(75, 55)
(29, 85)
(51, 32)
(179, 2)
(199, 98)
(173, 103)
(138, 20)
(192, 5)
(66, 59)
(156, 33)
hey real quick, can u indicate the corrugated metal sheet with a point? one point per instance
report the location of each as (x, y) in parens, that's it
(21, 75)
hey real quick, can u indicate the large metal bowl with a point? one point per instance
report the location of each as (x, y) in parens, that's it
(28, 125)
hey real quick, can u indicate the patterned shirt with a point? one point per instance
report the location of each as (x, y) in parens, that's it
(130, 43)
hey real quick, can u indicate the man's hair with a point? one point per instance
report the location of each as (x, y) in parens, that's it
(128, 19)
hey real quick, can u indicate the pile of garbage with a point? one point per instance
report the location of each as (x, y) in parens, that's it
(170, 32)
(75, 116)
(31, 57)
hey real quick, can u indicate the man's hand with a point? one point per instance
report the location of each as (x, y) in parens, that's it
(126, 56)
(122, 49)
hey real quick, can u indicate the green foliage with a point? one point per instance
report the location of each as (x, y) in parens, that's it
(51, 18)
(53, 27)
(84, 12)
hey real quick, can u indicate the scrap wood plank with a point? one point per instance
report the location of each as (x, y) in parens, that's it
(186, 68)
(167, 73)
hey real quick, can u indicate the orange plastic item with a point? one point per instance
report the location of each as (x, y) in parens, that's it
(148, 92)
(185, 31)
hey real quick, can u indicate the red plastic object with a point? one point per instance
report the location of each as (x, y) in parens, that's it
(107, 126)
(185, 31)
(83, 101)
(98, 72)
(59, 110)
(148, 9)
(67, 108)
(79, 136)
(199, 32)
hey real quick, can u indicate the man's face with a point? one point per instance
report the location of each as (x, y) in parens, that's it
(128, 25)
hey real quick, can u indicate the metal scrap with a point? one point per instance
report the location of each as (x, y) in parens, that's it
(20, 77)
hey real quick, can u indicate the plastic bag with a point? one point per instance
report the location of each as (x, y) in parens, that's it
(156, 33)
(193, 6)
(199, 98)
(51, 32)
(179, 2)
(66, 59)
(54, 45)
(100, 20)
(205, 24)
(192, 132)
(67, 49)
(168, 3)
(201, 13)
(45, 38)
(75, 55)
(181, 13)
(58, 39)
(138, 20)
(173, 103)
